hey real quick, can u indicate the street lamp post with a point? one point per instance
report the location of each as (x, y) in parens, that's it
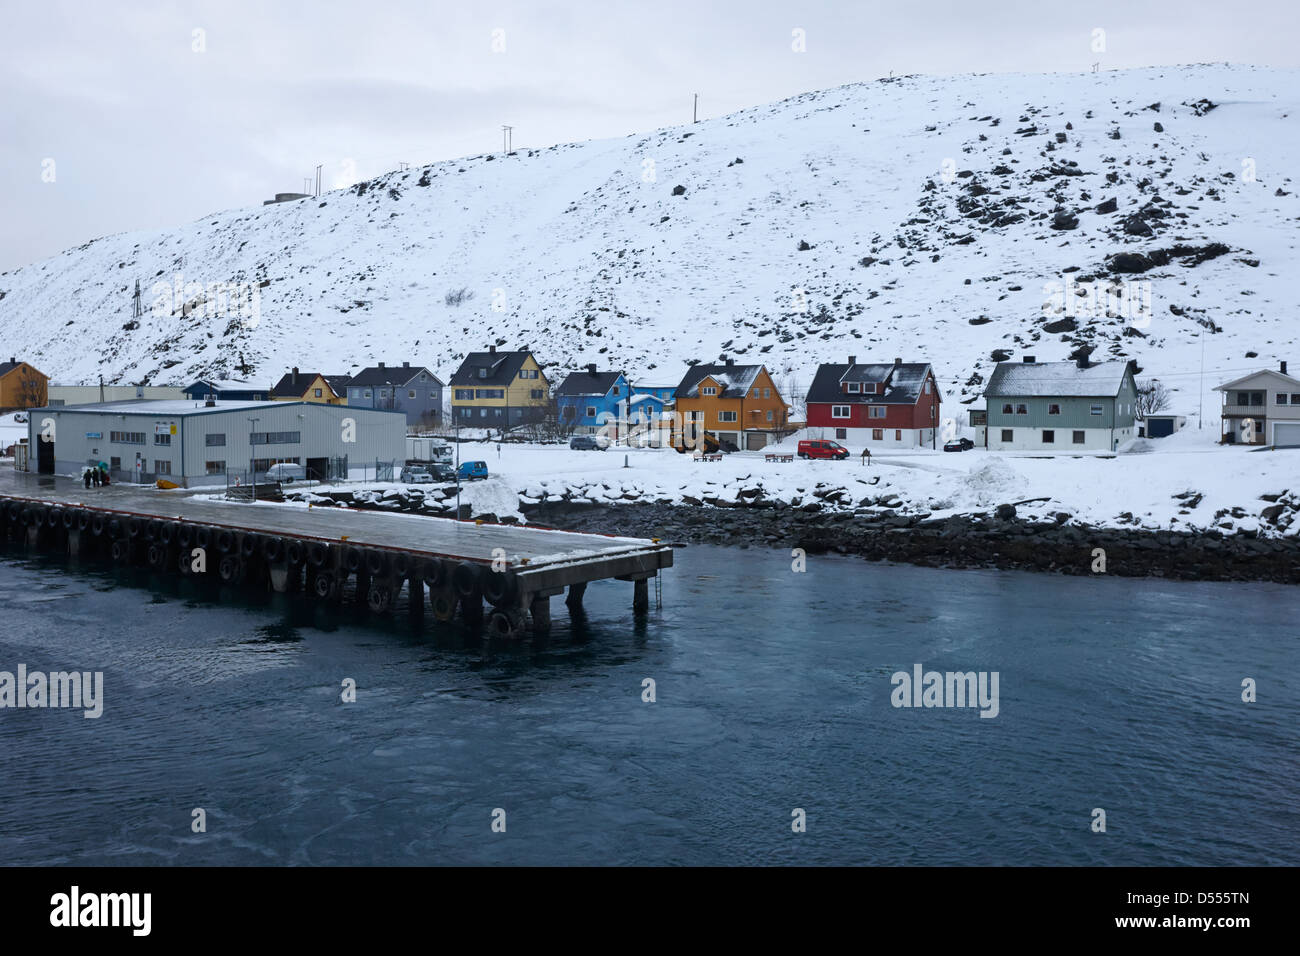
(252, 454)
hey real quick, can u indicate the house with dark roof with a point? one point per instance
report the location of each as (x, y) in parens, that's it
(411, 389)
(22, 385)
(590, 400)
(1062, 407)
(499, 389)
(228, 390)
(889, 404)
(738, 404)
(296, 386)
(1262, 408)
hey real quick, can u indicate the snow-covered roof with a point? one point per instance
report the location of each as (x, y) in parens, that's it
(735, 380)
(1264, 371)
(903, 383)
(1064, 379)
(232, 385)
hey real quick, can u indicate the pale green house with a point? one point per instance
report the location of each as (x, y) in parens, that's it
(1060, 407)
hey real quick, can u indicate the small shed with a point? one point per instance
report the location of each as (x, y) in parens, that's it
(1162, 426)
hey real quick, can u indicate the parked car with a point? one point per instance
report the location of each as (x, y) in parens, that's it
(286, 471)
(588, 443)
(822, 448)
(441, 471)
(415, 475)
(470, 470)
(958, 444)
(727, 445)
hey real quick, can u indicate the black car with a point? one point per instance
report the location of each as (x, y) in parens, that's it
(959, 444)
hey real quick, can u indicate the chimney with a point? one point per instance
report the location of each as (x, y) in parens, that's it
(492, 348)
(1082, 361)
(1027, 359)
(406, 365)
(295, 375)
(731, 361)
(210, 403)
(853, 360)
(1282, 369)
(381, 364)
(12, 360)
(591, 369)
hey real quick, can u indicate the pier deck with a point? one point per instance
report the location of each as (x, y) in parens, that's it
(516, 569)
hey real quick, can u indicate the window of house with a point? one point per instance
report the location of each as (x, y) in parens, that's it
(317, 393)
(1053, 409)
(161, 467)
(1094, 409)
(490, 393)
(464, 394)
(614, 390)
(127, 438)
(767, 393)
(162, 439)
(1281, 398)
(839, 411)
(536, 393)
(1049, 436)
(726, 416)
(756, 391)
(214, 439)
(877, 411)
(1006, 408)
(928, 383)
(1007, 434)
(367, 393)
(591, 411)
(841, 433)
(931, 413)
(410, 393)
(898, 434)
(482, 413)
(482, 373)
(1022, 409)
(708, 390)
(769, 416)
(877, 434)
(1078, 438)
(854, 387)
(115, 464)
(214, 467)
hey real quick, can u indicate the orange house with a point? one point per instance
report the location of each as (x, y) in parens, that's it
(22, 386)
(737, 403)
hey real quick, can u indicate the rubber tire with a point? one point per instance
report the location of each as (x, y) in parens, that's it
(499, 587)
(134, 527)
(272, 548)
(376, 561)
(157, 556)
(184, 534)
(317, 554)
(249, 546)
(465, 579)
(69, 518)
(400, 562)
(167, 532)
(505, 625)
(352, 559)
(379, 598)
(323, 585)
(294, 552)
(443, 604)
(54, 517)
(120, 550)
(225, 541)
(435, 573)
(202, 537)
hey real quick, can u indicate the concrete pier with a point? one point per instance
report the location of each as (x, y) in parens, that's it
(498, 576)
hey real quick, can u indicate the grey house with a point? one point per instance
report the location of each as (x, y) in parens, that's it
(1266, 404)
(399, 388)
(1060, 406)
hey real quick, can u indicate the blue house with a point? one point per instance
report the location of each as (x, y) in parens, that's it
(405, 388)
(587, 400)
(228, 390)
(645, 408)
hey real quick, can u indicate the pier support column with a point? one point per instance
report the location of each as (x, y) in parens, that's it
(641, 595)
(415, 595)
(279, 577)
(74, 543)
(576, 591)
(540, 612)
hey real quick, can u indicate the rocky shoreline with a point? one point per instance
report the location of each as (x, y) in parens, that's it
(959, 542)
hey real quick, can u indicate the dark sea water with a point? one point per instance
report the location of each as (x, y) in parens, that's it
(773, 693)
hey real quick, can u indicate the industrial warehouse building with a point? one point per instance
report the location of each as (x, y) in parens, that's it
(197, 443)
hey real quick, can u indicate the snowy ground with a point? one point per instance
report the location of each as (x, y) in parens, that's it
(1136, 489)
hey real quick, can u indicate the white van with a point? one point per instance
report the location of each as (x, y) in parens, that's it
(286, 471)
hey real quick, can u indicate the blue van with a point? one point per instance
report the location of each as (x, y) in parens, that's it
(469, 470)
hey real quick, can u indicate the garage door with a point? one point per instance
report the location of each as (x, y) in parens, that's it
(1286, 433)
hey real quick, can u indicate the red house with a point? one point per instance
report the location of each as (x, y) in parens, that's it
(887, 405)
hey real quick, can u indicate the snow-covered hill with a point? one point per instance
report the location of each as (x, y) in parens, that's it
(921, 217)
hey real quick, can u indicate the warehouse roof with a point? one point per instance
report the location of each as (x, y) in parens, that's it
(1053, 379)
(173, 408)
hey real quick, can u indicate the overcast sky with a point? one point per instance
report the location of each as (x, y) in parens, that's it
(140, 122)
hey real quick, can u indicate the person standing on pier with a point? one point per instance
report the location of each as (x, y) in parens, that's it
(85, 476)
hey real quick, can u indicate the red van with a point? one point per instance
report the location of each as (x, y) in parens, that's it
(823, 448)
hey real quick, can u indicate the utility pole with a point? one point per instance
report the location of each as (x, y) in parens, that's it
(506, 138)
(1200, 399)
(252, 454)
(403, 167)
(695, 115)
(306, 185)
(318, 168)
(138, 309)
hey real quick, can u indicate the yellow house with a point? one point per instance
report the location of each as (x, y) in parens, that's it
(21, 385)
(499, 390)
(297, 386)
